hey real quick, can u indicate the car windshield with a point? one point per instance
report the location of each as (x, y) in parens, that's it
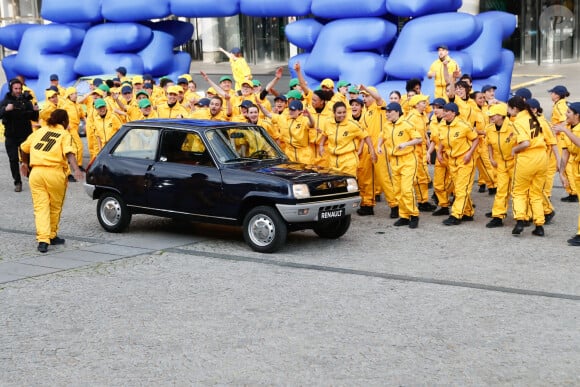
(246, 143)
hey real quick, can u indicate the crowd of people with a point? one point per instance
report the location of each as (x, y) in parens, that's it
(512, 149)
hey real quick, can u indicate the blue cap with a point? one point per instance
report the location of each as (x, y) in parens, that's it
(235, 50)
(357, 100)
(575, 107)
(97, 82)
(534, 103)
(182, 80)
(393, 106)
(560, 90)
(295, 105)
(488, 87)
(147, 77)
(452, 107)
(246, 103)
(53, 77)
(121, 70)
(126, 89)
(524, 93)
(439, 102)
(281, 97)
(203, 102)
(53, 88)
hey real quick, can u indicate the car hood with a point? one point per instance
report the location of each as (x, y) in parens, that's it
(298, 172)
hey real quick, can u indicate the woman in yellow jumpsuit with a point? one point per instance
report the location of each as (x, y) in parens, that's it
(44, 157)
(571, 151)
(344, 136)
(531, 166)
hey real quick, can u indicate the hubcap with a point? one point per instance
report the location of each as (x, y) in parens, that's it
(261, 230)
(111, 212)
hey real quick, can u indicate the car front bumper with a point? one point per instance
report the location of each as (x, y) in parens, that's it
(89, 189)
(308, 212)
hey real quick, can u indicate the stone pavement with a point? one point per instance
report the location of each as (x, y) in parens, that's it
(169, 303)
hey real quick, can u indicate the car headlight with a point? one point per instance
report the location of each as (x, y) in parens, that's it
(351, 184)
(300, 191)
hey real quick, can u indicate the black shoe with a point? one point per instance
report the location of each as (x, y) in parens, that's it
(492, 191)
(482, 188)
(57, 241)
(394, 213)
(43, 247)
(82, 168)
(570, 199)
(527, 223)
(71, 179)
(18, 187)
(440, 212)
(574, 241)
(518, 228)
(494, 222)
(402, 222)
(549, 217)
(378, 198)
(467, 218)
(426, 207)
(452, 221)
(435, 198)
(365, 210)
(488, 215)
(539, 231)
(414, 223)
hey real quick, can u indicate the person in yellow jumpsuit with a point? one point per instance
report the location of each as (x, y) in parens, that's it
(486, 172)
(51, 104)
(45, 156)
(558, 95)
(442, 183)
(399, 138)
(571, 152)
(531, 166)
(172, 108)
(76, 114)
(105, 123)
(443, 70)
(345, 137)
(240, 68)
(458, 140)
(294, 131)
(501, 138)
(417, 117)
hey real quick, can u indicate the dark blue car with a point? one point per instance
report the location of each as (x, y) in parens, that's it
(217, 172)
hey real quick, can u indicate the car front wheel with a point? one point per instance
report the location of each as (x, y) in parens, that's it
(332, 229)
(264, 229)
(112, 212)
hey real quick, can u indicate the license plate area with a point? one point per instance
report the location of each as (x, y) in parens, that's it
(325, 214)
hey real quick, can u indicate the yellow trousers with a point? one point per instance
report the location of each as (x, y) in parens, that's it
(442, 183)
(422, 178)
(529, 177)
(48, 188)
(403, 170)
(576, 172)
(346, 163)
(374, 178)
(78, 146)
(549, 183)
(300, 155)
(462, 176)
(487, 173)
(505, 173)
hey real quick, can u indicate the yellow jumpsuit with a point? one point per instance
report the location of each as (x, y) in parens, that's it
(530, 170)
(550, 140)
(437, 68)
(422, 178)
(105, 127)
(48, 147)
(456, 139)
(574, 160)
(175, 111)
(442, 183)
(240, 70)
(319, 118)
(75, 115)
(404, 164)
(342, 142)
(559, 115)
(487, 173)
(501, 141)
(295, 133)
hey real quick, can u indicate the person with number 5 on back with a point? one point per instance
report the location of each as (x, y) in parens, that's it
(44, 156)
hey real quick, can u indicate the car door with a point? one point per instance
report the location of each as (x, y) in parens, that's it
(185, 179)
(129, 163)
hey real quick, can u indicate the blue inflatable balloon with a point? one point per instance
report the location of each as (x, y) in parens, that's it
(339, 9)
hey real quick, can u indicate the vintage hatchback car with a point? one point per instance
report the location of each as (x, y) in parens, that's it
(217, 172)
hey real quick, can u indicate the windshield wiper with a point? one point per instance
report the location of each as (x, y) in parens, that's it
(240, 159)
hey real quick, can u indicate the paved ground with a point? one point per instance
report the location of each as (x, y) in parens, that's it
(170, 303)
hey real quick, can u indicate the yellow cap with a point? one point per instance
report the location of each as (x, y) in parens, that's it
(211, 90)
(418, 98)
(186, 76)
(370, 88)
(99, 92)
(174, 90)
(500, 108)
(327, 82)
(137, 79)
(69, 91)
(50, 94)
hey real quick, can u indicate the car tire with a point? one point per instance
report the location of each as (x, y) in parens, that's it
(264, 229)
(112, 212)
(332, 229)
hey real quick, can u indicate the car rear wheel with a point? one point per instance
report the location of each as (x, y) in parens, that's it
(112, 212)
(332, 229)
(264, 229)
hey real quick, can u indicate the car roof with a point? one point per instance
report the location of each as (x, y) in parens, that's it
(185, 123)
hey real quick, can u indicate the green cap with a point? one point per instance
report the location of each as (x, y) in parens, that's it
(342, 84)
(226, 78)
(294, 94)
(144, 103)
(353, 90)
(255, 82)
(293, 82)
(99, 103)
(142, 92)
(104, 87)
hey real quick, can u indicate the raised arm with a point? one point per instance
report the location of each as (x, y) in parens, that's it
(302, 82)
(218, 89)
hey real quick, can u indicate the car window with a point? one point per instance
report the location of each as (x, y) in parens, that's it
(243, 143)
(140, 143)
(184, 148)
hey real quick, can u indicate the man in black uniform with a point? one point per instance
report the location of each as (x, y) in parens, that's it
(16, 112)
